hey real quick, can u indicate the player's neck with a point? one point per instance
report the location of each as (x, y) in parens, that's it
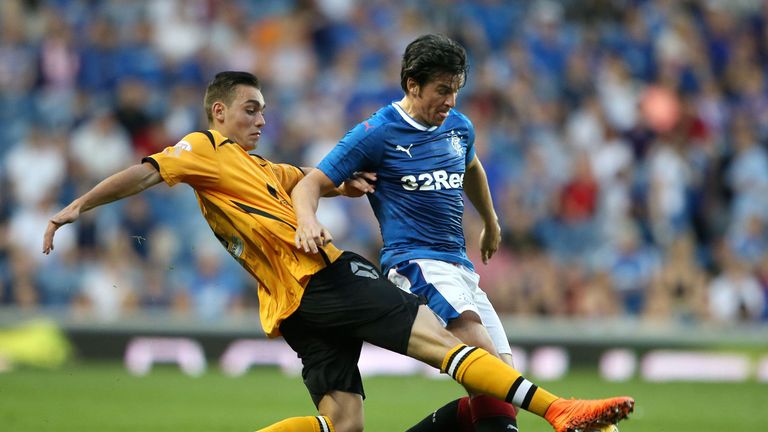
(406, 103)
(231, 135)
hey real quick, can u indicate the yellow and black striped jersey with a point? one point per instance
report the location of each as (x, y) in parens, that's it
(246, 201)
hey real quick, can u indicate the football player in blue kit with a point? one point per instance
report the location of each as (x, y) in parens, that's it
(422, 151)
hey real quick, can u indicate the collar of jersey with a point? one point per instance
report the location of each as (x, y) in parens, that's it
(410, 119)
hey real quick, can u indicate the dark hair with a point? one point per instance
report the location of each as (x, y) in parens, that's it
(222, 88)
(430, 56)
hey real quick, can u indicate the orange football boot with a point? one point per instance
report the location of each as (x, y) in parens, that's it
(575, 415)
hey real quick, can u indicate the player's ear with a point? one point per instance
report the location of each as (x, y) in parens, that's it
(217, 110)
(413, 87)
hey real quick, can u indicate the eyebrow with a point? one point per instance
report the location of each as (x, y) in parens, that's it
(257, 103)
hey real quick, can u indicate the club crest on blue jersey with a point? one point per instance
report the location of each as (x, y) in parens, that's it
(455, 141)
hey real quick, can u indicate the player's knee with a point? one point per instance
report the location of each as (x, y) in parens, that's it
(508, 359)
(468, 317)
(344, 409)
(429, 341)
(469, 328)
(348, 423)
(428, 330)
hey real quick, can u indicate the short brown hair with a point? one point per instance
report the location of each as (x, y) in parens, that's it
(222, 88)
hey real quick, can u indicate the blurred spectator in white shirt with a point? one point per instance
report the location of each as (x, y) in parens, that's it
(669, 179)
(747, 174)
(736, 295)
(109, 283)
(39, 152)
(101, 146)
(27, 226)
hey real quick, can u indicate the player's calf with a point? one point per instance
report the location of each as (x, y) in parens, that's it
(301, 424)
(483, 373)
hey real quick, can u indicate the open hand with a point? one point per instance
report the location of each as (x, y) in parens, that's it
(490, 238)
(361, 183)
(310, 236)
(67, 215)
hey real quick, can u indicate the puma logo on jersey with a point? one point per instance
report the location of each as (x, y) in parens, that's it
(364, 270)
(403, 149)
(437, 180)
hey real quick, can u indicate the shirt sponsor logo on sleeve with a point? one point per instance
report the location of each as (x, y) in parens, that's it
(178, 148)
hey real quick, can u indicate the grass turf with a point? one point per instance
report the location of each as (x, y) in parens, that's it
(104, 397)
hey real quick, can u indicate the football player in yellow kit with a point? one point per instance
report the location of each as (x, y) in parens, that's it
(324, 304)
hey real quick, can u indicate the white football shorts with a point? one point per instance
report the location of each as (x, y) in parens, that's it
(450, 289)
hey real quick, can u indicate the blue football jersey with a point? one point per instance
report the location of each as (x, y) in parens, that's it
(418, 200)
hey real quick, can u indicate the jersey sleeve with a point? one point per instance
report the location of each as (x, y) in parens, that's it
(192, 160)
(359, 150)
(470, 153)
(288, 175)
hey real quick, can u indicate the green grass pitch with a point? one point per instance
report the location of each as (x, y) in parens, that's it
(103, 397)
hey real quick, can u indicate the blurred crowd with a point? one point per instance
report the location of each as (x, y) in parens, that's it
(624, 141)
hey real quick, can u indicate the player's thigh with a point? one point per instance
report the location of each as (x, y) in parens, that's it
(329, 361)
(344, 409)
(469, 329)
(488, 316)
(356, 300)
(389, 318)
(443, 284)
(429, 341)
(492, 322)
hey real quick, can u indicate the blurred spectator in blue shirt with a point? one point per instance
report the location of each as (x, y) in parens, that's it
(212, 289)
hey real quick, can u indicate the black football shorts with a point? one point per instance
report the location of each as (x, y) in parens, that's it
(344, 304)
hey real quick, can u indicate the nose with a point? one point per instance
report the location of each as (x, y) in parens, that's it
(451, 100)
(260, 120)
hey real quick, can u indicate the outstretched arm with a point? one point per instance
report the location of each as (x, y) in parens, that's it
(309, 233)
(130, 181)
(478, 192)
(359, 184)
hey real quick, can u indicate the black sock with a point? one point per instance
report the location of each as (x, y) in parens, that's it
(492, 415)
(496, 424)
(442, 420)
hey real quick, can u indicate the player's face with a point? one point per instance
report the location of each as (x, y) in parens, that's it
(435, 99)
(244, 117)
